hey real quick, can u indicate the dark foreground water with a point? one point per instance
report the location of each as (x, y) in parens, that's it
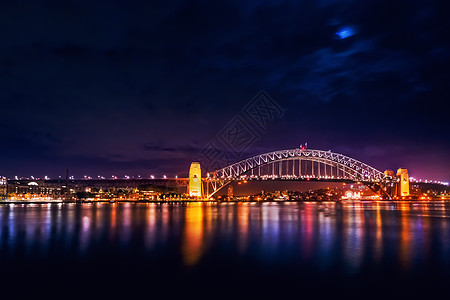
(236, 250)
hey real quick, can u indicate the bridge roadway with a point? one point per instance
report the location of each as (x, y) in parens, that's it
(181, 183)
(134, 183)
(80, 184)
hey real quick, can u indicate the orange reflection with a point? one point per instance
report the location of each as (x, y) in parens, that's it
(150, 237)
(113, 224)
(165, 213)
(405, 242)
(379, 234)
(193, 235)
(243, 212)
(208, 225)
(98, 216)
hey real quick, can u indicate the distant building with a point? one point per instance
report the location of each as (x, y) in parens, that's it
(33, 190)
(230, 192)
(389, 173)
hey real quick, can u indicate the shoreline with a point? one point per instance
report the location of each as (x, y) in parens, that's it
(5, 202)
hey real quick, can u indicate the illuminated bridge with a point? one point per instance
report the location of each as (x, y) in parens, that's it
(291, 165)
(297, 164)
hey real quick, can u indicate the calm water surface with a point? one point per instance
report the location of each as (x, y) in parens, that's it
(242, 249)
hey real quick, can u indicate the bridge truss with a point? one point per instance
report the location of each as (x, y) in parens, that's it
(295, 164)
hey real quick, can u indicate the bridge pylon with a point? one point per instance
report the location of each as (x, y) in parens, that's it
(3, 187)
(195, 180)
(403, 185)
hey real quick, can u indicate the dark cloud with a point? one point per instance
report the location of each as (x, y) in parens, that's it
(125, 86)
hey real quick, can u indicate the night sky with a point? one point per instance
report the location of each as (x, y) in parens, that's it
(105, 87)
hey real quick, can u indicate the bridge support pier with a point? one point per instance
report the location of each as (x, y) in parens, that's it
(195, 180)
(403, 185)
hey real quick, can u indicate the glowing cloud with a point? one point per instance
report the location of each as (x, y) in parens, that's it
(345, 32)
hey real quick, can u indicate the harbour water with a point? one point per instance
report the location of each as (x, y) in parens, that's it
(247, 248)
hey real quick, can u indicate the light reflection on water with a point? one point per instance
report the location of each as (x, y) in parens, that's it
(347, 238)
(193, 241)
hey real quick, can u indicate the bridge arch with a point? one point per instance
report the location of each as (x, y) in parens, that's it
(351, 169)
(336, 166)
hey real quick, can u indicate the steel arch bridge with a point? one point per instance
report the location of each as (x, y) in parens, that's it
(296, 164)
